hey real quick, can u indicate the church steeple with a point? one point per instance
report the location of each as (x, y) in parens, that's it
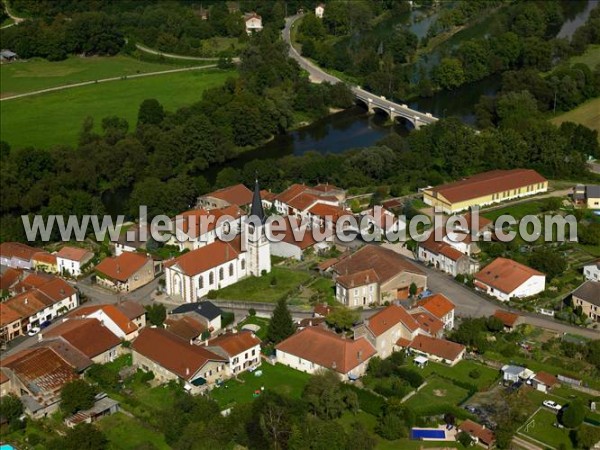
(257, 207)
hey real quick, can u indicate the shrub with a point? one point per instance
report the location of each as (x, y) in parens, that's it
(227, 318)
(252, 312)
(475, 373)
(368, 402)
(415, 379)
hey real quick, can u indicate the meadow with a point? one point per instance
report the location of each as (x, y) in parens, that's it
(56, 118)
(587, 114)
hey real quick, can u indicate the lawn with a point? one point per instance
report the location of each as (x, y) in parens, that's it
(58, 116)
(262, 322)
(125, 433)
(262, 289)
(518, 211)
(587, 114)
(543, 429)
(591, 57)
(278, 378)
(461, 372)
(437, 392)
(36, 74)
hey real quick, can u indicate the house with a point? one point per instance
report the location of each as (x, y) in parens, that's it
(103, 406)
(508, 319)
(253, 22)
(17, 255)
(466, 230)
(445, 257)
(90, 336)
(186, 327)
(242, 350)
(385, 327)
(440, 307)
(485, 189)
(170, 357)
(237, 195)
(132, 240)
(206, 312)
(505, 279)
(126, 272)
(193, 275)
(544, 381)
(7, 55)
(71, 260)
(298, 199)
(35, 304)
(514, 374)
(133, 311)
(44, 262)
(587, 196)
(297, 238)
(428, 324)
(314, 348)
(199, 227)
(112, 318)
(36, 376)
(380, 220)
(320, 10)
(478, 433)
(587, 296)
(322, 310)
(392, 272)
(435, 349)
(9, 278)
(592, 271)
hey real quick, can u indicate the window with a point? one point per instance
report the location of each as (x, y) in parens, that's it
(243, 264)
(253, 352)
(230, 269)
(211, 278)
(220, 274)
(200, 282)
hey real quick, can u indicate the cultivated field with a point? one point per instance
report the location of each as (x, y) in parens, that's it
(587, 114)
(55, 118)
(36, 74)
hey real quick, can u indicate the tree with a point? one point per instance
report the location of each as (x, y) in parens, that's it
(326, 396)
(593, 353)
(449, 74)
(464, 439)
(573, 414)
(412, 289)
(342, 318)
(281, 325)
(77, 395)
(11, 409)
(84, 436)
(548, 262)
(156, 314)
(587, 436)
(151, 112)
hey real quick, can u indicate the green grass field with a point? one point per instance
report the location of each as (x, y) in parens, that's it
(591, 57)
(543, 430)
(587, 114)
(126, 433)
(461, 372)
(517, 211)
(56, 118)
(262, 322)
(260, 289)
(438, 391)
(36, 74)
(278, 378)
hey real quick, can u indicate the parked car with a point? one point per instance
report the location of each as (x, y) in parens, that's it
(33, 331)
(552, 405)
(45, 324)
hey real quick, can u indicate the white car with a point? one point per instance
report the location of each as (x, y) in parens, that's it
(552, 405)
(33, 331)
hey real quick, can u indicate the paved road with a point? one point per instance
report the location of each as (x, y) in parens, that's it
(151, 51)
(105, 80)
(16, 20)
(318, 75)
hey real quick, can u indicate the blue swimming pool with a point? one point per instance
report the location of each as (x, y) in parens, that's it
(6, 447)
(420, 433)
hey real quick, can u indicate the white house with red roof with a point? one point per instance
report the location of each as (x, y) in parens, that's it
(504, 279)
(242, 350)
(440, 307)
(237, 195)
(112, 317)
(70, 260)
(298, 237)
(253, 22)
(126, 272)
(17, 255)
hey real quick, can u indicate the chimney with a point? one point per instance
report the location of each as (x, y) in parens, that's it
(118, 269)
(334, 365)
(187, 371)
(359, 356)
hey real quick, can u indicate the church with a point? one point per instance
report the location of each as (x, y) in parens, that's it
(191, 276)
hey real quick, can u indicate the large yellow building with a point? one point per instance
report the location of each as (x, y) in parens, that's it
(485, 189)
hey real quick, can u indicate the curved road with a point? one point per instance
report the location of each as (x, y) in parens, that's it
(318, 75)
(151, 51)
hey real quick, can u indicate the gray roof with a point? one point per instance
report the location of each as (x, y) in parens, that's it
(205, 309)
(257, 207)
(589, 292)
(513, 370)
(592, 190)
(8, 54)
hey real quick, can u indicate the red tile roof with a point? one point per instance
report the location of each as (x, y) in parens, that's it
(485, 435)
(441, 247)
(293, 228)
(385, 262)
(8, 315)
(438, 304)
(173, 353)
(206, 257)
(267, 195)
(237, 194)
(505, 274)
(195, 223)
(131, 309)
(327, 349)
(428, 322)
(358, 279)
(303, 201)
(88, 336)
(44, 257)
(326, 187)
(323, 210)
(327, 263)
(292, 192)
(10, 277)
(488, 183)
(508, 319)
(124, 266)
(235, 343)
(74, 254)
(185, 327)
(382, 321)
(112, 311)
(483, 222)
(437, 347)
(546, 378)
(322, 309)
(17, 250)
